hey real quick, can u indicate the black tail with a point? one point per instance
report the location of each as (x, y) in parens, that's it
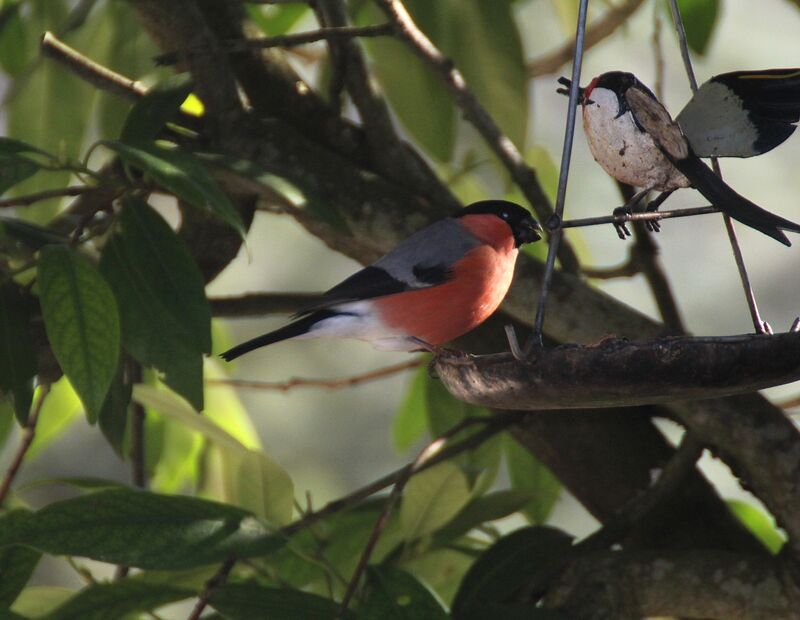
(722, 196)
(291, 330)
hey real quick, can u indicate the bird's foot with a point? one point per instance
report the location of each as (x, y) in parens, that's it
(766, 328)
(652, 207)
(621, 226)
(553, 222)
(795, 325)
(451, 354)
(567, 83)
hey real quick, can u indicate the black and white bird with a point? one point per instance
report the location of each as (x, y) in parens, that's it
(740, 114)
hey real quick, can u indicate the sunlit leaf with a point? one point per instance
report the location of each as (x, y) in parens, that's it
(432, 498)
(759, 523)
(141, 529)
(277, 19)
(82, 323)
(250, 477)
(394, 593)
(36, 601)
(61, 408)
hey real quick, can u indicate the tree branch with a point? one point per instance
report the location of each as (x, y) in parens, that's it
(523, 175)
(621, 373)
(686, 584)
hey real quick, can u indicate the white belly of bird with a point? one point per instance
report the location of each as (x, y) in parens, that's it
(623, 150)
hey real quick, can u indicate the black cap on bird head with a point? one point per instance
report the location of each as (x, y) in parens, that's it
(523, 226)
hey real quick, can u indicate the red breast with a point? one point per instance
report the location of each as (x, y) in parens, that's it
(480, 281)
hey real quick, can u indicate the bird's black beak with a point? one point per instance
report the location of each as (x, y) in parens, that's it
(528, 231)
(567, 83)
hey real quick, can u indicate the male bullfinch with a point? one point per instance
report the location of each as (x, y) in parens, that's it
(740, 114)
(436, 285)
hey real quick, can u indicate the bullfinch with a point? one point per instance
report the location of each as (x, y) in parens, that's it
(436, 285)
(740, 114)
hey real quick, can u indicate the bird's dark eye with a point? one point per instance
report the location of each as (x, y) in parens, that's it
(504, 215)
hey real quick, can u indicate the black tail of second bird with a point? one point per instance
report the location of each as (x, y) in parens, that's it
(723, 196)
(297, 328)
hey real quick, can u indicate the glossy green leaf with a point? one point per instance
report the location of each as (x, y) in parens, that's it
(166, 318)
(245, 601)
(17, 359)
(82, 323)
(432, 498)
(181, 173)
(16, 567)
(505, 566)
(531, 476)
(141, 529)
(759, 523)
(103, 601)
(160, 105)
(393, 593)
(410, 421)
(416, 94)
(250, 478)
(699, 19)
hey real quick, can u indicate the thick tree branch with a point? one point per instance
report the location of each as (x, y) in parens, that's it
(686, 584)
(622, 373)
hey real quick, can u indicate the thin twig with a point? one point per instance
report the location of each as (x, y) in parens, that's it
(92, 72)
(596, 32)
(24, 201)
(494, 425)
(637, 217)
(566, 155)
(286, 40)
(28, 433)
(760, 326)
(210, 587)
(330, 384)
(522, 174)
(424, 459)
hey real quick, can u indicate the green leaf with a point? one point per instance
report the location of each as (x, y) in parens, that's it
(49, 107)
(416, 94)
(394, 593)
(485, 43)
(15, 51)
(113, 419)
(17, 359)
(14, 170)
(61, 408)
(245, 601)
(102, 601)
(36, 601)
(410, 421)
(141, 529)
(166, 318)
(160, 105)
(16, 567)
(180, 173)
(699, 18)
(531, 476)
(251, 479)
(761, 524)
(278, 19)
(482, 510)
(505, 566)
(432, 498)
(82, 323)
